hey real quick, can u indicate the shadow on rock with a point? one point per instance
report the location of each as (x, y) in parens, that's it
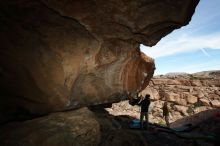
(115, 131)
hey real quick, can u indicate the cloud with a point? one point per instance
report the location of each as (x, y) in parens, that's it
(204, 52)
(190, 48)
(191, 68)
(184, 43)
(199, 66)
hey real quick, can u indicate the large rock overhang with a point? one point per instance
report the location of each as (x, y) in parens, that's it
(58, 55)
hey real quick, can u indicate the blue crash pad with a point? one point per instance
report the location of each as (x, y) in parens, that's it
(134, 124)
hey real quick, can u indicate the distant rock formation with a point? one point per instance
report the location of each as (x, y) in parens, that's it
(60, 55)
(186, 94)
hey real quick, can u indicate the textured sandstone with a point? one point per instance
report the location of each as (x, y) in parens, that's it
(173, 97)
(58, 55)
(216, 103)
(59, 129)
(191, 99)
(201, 109)
(205, 102)
(181, 109)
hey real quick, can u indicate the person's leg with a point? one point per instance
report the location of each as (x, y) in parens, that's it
(147, 120)
(167, 121)
(141, 120)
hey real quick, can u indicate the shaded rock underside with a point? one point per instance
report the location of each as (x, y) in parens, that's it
(58, 55)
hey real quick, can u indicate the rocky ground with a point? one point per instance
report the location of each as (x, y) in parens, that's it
(193, 99)
(186, 94)
(96, 127)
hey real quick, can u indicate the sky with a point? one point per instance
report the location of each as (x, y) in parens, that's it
(192, 48)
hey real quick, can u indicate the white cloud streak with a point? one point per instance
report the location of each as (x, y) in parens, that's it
(185, 43)
(204, 52)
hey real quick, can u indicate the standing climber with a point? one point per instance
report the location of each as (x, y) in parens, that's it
(144, 103)
(166, 113)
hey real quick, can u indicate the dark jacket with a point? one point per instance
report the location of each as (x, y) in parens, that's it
(145, 105)
(165, 110)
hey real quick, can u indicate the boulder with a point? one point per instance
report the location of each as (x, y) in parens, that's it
(60, 55)
(173, 82)
(181, 109)
(154, 95)
(200, 94)
(191, 99)
(185, 82)
(197, 118)
(215, 103)
(205, 101)
(70, 128)
(213, 96)
(172, 97)
(196, 83)
(211, 83)
(201, 109)
(181, 101)
(175, 116)
(158, 104)
(157, 112)
(217, 92)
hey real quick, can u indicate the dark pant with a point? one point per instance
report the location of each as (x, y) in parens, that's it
(167, 120)
(142, 116)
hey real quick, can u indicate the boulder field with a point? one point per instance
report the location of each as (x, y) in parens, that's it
(186, 95)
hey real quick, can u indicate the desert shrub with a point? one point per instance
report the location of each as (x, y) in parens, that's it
(198, 104)
(190, 110)
(161, 122)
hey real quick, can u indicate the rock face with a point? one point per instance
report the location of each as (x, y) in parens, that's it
(198, 118)
(66, 129)
(186, 94)
(58, 55)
